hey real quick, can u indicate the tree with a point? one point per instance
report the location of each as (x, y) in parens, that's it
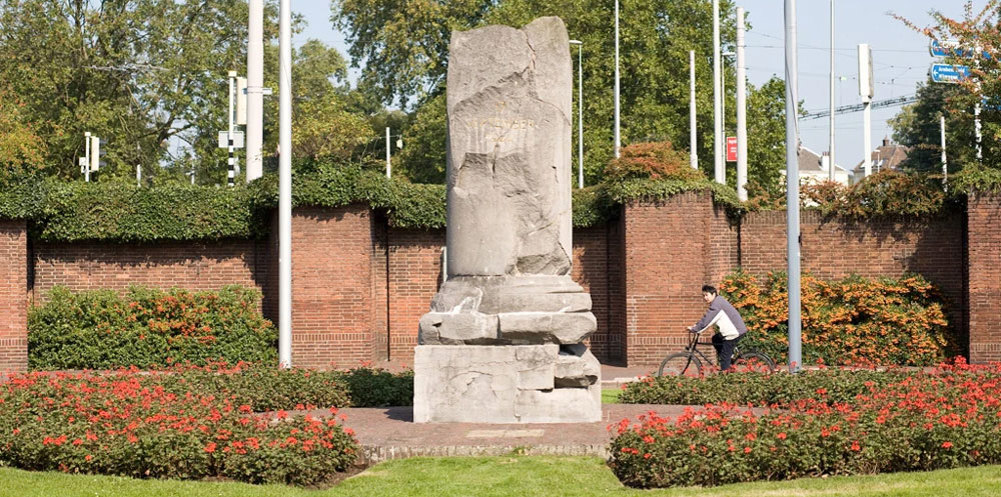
(138, 73)
(918, 127)
(978, 32)
(21, 149)
(324, 123)
(655, 39)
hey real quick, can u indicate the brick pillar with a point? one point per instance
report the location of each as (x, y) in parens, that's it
(13, 296)
(668, 256)
(332, 287)
(984, 269)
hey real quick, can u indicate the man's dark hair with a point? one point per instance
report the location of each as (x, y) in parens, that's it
(709, 289)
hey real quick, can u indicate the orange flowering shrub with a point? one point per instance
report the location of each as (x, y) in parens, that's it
(655, 160)
(852, 321)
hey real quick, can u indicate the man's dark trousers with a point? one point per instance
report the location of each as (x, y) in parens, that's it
(724, 350)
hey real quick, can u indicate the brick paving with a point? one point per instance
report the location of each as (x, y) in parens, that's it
(390, 433)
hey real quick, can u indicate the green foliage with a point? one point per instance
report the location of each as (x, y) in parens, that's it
(654, 160)
(759, 389)
(975, 179)
(373, 387)
(147, 327)
(124, 212)
(851, 321)
(162, 425)
(944, 418)
(886, 193)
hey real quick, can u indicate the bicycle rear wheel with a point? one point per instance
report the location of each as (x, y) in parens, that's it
(754, 361)
(680, 364)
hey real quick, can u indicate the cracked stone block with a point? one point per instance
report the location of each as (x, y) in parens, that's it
(509, 150)
(478, 383)
(576, 367)
(547, 327)
(560, 405)
(545, 302)
(458, 328)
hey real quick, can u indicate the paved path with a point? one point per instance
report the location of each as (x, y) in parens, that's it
(390, 433)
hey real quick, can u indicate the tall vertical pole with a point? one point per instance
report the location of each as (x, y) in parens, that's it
(945, 163)
(693, 135)
(719, 166)
(255, 97)
(285, 186)
(580, 115)
(741, 110)
(977, 52)
(977, 128)
(830, 144)
(231, 173)
(792, 190)
(389, 165)
(618, 136)
(865, 91)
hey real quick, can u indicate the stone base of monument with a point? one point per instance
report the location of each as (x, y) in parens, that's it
(546, 383)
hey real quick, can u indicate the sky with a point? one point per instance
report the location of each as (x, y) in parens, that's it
(900, 57)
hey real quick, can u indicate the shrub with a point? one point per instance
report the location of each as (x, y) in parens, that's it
(755, 388)
(852, 321)
(147, 327)
(373, 387)
(886, 193)
(135, 424)
(919, 421)
(656, 160)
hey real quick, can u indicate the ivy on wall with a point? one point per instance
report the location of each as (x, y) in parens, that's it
(122, 212)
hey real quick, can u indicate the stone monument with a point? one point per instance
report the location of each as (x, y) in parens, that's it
(503, 341)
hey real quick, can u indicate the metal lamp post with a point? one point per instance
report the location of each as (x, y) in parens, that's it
(580, 112)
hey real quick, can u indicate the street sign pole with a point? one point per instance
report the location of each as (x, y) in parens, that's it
(945, 164)
(792, 191)
(231, 174)
(866, 91)
(741, 110)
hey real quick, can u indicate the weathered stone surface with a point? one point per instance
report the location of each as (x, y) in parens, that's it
(479, 383)
(559, 405)
(496, 294)
(509, 96)
(576, 367)
(458, 328)
(547, 327)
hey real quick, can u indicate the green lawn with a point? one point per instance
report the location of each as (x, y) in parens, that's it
(514, 476)
(610, 395)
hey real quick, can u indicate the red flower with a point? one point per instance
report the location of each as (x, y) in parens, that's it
(747, 450)
(946, 445)
(781, 436)
(855, 446)
(210, 448)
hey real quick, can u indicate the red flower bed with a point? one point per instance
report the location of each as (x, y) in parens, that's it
(130, 423)
(944, 419)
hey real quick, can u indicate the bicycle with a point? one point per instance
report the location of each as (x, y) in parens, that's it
(689, 362)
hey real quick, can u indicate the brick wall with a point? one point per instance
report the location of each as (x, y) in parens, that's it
(413, 265)
(668, 249)
(189, 265)
(984, 270)
(361, 286)
(13, 296)
(833, 249)
(332, 287)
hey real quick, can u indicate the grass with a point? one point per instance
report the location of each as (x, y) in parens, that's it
(511, 476)
(610, 395)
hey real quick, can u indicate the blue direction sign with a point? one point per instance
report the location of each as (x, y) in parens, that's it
(950, 48)
(948, 73)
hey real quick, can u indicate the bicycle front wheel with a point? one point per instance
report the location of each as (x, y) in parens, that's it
(680, 364)
(754, 361)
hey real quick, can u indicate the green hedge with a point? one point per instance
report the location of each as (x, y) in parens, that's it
(146, 327)
(122, 212)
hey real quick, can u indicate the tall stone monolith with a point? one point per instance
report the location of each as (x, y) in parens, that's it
(503, 341)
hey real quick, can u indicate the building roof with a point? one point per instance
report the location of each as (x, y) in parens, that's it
(810, 161)
(889, 155)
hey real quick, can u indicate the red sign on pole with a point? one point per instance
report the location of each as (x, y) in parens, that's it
(731, 149)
